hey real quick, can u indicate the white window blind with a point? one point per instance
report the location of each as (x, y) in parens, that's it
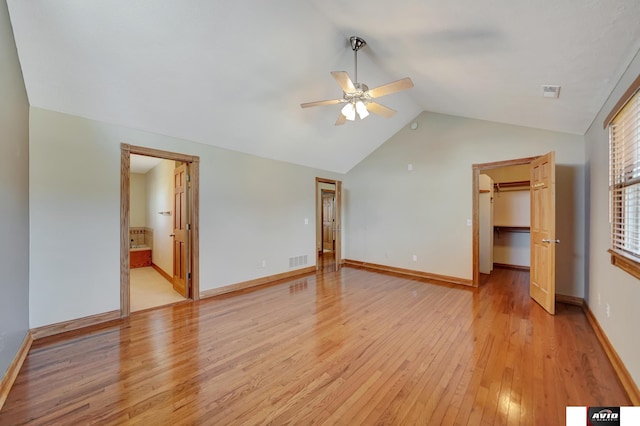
(624, 178)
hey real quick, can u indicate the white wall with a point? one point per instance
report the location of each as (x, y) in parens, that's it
(512, 248)
(14, 193)
(606, 283)
(518, 173)
(250, 209)
(138, 200)
(160, 199)
(512, 208)
(393, 213)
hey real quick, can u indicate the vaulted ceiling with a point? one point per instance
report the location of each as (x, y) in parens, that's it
(233, 73)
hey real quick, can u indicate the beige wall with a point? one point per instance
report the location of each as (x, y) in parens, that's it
(517, 173)
(14, 193)
(608, 285)
(393, 213)
(485, 224)
(160, 199)
(251, 209)
(138, 204)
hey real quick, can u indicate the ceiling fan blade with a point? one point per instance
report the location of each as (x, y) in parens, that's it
(379, 109)
(344, 81)
(341, 120)
(320, 103)
(387, 89)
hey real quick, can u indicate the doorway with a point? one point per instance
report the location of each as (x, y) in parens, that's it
(182, 206)
(542, 225)
(328, 224)
(151, 282)
(328, 220)
(505, 218)
(479, 169)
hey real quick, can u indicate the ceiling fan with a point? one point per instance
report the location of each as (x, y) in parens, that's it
(357, 96)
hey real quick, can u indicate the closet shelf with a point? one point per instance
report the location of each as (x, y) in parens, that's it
(521, 185)
(499, 229)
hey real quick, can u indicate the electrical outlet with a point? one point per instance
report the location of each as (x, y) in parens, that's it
(608, 310)
(264, 263)
(415, 258)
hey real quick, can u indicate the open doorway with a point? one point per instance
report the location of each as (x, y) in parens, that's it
(161, 248)
(328, 214)
(151, 227)
(541, 229)
(328, 220)
(505, 218)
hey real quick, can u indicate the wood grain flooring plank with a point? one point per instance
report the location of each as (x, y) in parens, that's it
(347, 347)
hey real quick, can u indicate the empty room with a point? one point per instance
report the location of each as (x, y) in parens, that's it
(318, 212)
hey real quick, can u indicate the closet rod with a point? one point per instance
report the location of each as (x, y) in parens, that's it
(521, 185)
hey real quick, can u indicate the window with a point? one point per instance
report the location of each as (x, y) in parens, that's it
(624, 181)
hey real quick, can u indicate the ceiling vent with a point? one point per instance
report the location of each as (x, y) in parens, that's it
(549, 91)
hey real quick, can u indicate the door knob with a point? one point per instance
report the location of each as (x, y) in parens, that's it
(544, 240)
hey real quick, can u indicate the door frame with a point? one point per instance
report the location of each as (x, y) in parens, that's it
(337, 208)
(477, 170)
(125, 201)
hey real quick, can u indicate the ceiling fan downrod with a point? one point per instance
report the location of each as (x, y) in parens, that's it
(356, 44)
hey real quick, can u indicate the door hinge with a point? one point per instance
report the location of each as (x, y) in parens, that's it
(188, 227)
(188, 275)
(188, 178)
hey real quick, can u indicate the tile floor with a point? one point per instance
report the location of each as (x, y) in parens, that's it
(150, 289)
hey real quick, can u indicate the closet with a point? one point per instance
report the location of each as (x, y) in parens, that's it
(508, 226)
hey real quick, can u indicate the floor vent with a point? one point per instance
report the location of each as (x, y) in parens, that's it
(296, 261)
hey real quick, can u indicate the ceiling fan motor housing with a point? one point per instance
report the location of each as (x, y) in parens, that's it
(361, 93)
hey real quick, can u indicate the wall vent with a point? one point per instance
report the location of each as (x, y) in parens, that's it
(296, 261)
(550, 91)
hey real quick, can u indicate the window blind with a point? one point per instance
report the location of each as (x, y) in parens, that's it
(624, 178)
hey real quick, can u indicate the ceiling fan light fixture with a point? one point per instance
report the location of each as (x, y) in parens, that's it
(349, 111)
(361, 109)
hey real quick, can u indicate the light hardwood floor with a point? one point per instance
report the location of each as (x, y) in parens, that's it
(353, 347)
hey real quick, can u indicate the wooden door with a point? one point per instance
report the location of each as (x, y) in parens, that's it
(337, 224)
(328, 232)
(542, 285)
(180, 216)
